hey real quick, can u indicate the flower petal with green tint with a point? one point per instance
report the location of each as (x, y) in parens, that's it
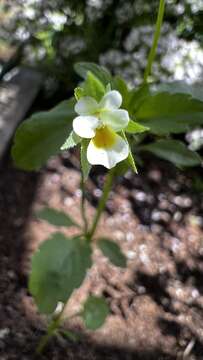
(111, 100)
(86, 105)
(116, 119)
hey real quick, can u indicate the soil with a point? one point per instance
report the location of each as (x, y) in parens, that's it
(156, 302)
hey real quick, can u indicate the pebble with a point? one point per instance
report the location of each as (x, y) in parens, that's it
(155, 175)
(164, 204)
(68, 201)
(143, 255)
(11, 274)
(141, 290)
(4, 332)
(176, 244)
(97, 193)
(126, 217)
(119, 235)
(110, 221)
(156, 215)
(195, 293)
(18, 222)
(177, 216)
(130, 236)
(174, 185)
(140, 196)
(78, 193)
(196, 220)
(182, 201)
(55, 178)
(160, 215)
(156, 229)
(131, 255)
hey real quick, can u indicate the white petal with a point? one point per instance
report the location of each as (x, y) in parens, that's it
(111, 100)
(85, 126)
(116, 119)
(86, 106)
(108, 157)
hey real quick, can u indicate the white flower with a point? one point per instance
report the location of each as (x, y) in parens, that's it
(100, 122)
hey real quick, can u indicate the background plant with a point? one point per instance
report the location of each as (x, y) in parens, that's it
(53, 35)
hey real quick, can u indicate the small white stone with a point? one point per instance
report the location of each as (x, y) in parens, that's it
(175, 244)
(156, 215)
(55, 178)
(4, 332)
(140, 196)
(131, 255)
(78, 193)
(119, 235)
(141, 290)
(195, 293)
(130, 236)
(68, 201)
(97, 193)
(177, 216)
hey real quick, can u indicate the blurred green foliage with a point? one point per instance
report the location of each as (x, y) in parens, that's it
(57, 33)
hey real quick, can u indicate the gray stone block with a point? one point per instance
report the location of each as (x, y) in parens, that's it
(17, 93)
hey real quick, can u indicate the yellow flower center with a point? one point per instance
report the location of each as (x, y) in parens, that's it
(104, 138)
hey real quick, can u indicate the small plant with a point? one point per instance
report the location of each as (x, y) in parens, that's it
(110, 123)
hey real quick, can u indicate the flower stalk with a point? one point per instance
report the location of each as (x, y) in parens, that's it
(152, 53)
(52, 328)
(83, 210)
(102, 203)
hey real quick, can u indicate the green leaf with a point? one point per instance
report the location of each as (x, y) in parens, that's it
(130, 159)
(121, 168)
(108, 88)
(42, 136)
(135, 128)
(131, 162)
(58, 267)
(82, 68)
(95, 312)
(85, 165)
(71, 141)
(136, 97)
(166, 113)
(93, 87)
(79, 92)
(179, 87)
(120, 85)
(174, 151)
(112, 251)
(55, 217)
(197, 184)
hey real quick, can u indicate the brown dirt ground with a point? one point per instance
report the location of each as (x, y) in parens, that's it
(156, 303)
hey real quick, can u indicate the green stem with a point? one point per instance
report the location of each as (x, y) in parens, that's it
(155, 40)
(83, 212)
(53, 326)
(102, 203)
